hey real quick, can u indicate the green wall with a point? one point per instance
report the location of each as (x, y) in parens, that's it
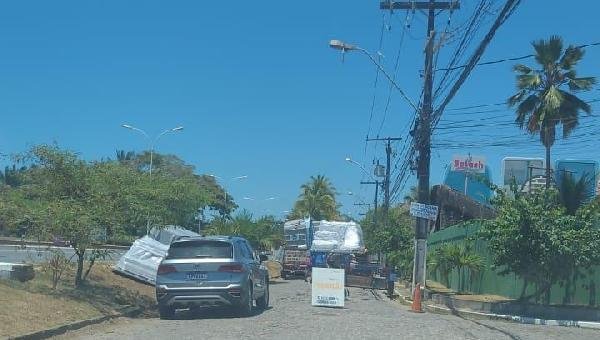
(490, 282)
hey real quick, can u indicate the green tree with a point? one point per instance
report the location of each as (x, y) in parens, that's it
(65, 196)
(393, 239)
(263, 233)
(317, 200)
(546, 96)
(534, 238)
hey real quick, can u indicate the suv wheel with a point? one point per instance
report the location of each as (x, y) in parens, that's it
(247, 303)
(263, 301)
(166, 312)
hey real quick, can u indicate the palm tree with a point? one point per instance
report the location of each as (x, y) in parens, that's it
(125, 156)
(545, 96)
(572, 192)
(317, 199)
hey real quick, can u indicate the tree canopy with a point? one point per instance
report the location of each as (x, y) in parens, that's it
(534, 238)
(59, 194)
(317, 199)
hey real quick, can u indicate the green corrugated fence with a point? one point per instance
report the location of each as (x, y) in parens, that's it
(488, 281)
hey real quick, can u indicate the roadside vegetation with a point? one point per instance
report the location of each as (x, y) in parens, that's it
(37, 305)
(392, 236)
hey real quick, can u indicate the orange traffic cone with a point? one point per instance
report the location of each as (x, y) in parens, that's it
(416, 304)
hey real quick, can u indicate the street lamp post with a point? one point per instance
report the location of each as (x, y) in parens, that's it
(237, 178)
(351, 161)
(344, 47)
(152, 143)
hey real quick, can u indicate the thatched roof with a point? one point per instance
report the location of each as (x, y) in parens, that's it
(455, 207)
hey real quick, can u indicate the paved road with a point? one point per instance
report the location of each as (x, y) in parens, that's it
(36, 254)
(366, 316)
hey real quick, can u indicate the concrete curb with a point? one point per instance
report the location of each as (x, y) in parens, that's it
(47, 333)
(489, 316)
(512, 318)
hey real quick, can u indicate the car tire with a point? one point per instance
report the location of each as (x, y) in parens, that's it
(263, 301)
(166, 312)
(247, 303)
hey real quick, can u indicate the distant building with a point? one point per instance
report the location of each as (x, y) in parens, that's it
(526, 173)
(477, 184)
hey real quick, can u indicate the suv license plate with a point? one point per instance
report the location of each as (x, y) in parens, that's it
(196, 276)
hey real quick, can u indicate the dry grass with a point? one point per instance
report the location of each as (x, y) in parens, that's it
(437, 287)
(24, 312)
(34, 305)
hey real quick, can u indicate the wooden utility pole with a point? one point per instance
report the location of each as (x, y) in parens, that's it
(423, 136)
(386, 183)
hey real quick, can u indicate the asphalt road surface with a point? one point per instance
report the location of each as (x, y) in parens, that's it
(367, 315)
(37, 254)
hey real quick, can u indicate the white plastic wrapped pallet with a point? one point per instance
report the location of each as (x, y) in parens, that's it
(333, 236)
(145, 254)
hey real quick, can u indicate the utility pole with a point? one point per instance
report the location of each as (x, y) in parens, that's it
(375, 201)
(423, 136)
(386, 183)
(377, 183)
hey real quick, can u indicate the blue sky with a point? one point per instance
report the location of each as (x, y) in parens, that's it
(256, 86)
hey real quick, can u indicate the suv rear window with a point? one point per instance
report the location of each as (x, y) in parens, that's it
(200, 249)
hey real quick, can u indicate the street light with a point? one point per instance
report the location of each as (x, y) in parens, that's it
(237, 178)
(152, 142)
(350, 160)
(344, 47)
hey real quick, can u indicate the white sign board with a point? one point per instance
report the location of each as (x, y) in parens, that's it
(472, 164)
(328, 287)
(426, 211)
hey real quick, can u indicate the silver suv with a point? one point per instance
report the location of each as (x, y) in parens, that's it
(214, 271)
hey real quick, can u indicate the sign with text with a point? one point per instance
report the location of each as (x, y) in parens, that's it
(328, 287)
(425, 211)
(474, 164)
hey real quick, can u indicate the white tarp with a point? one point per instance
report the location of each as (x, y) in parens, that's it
(145, 254)
(337, 237)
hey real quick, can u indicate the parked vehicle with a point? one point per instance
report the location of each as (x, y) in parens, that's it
(213, 271)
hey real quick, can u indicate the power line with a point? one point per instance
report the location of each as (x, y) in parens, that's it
(497, 61)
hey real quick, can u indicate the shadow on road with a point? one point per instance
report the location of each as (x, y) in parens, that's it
(278, 282)
(508, 334)
(215, 313)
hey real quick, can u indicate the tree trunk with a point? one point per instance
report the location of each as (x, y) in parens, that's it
(547, 166)
(78, 275)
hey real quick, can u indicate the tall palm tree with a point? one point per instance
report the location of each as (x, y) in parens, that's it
(317, 199)
(546, 96)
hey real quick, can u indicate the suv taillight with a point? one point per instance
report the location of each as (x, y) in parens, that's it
(231, 268)
(166, 269)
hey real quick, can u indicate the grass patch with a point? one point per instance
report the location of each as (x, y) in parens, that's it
(32, 306)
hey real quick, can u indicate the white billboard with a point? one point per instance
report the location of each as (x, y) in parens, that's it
(473, 164)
